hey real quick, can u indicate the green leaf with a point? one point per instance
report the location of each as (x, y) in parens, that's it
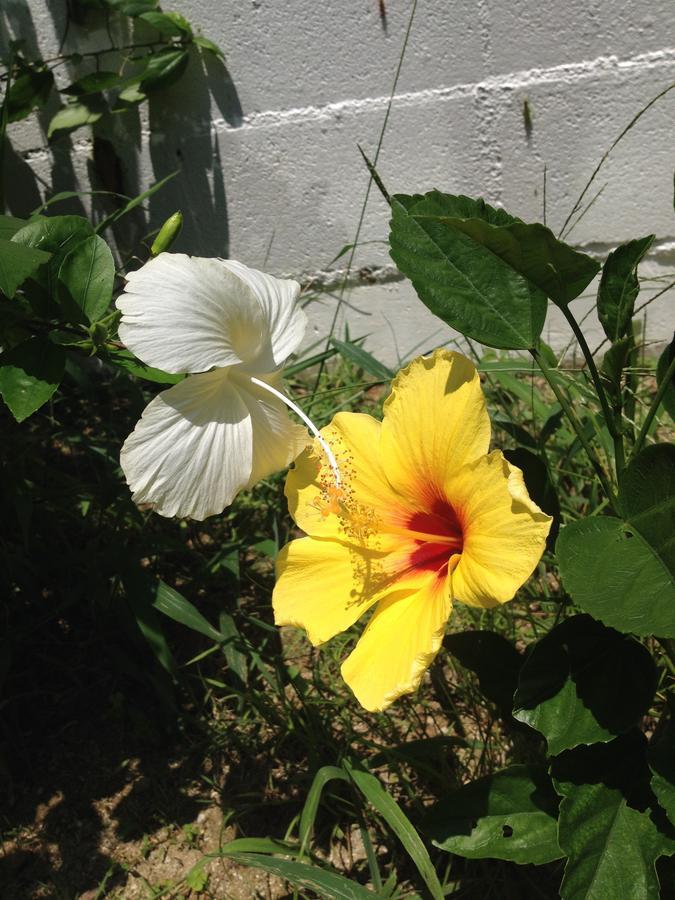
(612, 573)
(74, 115)
(361, 358)
(94, 83)
(140, 591)
(29, 91)
(539, 486)
(125, 360)
(134, 7)
(176, 607)
(57, 235)
(534, 252)
(619, 287)
(197, 879)
(205, 44)
(614, 362)
(509, 815)
(324, 775)
(610, 825)
(9, 226)
(29, 375)
(584, 683)
(661, 757)
(170, 24)
(322, 882)
(388, 808)
(458, 278)
(494, 660)
(87, 276)
(17, 263)
(164, 68)
(647, 494)
(665, 360)
(233, 643)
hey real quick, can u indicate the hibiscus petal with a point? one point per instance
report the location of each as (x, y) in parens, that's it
(324, 586)
(285, 321)
(504, 531)
(199, 443)
(435, 421)
(188, 314)
(398, 644)
(365, 491)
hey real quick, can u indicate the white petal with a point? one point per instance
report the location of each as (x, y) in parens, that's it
(286, 322)
(199, 443)
(189, 314)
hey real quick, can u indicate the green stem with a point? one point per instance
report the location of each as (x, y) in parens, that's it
(576, 425)
(593, 369)
(656, 402)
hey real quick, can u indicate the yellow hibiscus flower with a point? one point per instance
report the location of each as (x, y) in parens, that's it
(422, 515)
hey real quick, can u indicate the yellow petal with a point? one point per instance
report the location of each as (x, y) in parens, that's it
(398, 644)
(504, 531)
(324, 586)
(365, 493)
(435, 421)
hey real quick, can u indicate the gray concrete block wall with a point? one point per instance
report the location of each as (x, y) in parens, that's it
(271, 173)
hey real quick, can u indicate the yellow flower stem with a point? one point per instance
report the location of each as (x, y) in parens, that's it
(307, 421)
(576, 425)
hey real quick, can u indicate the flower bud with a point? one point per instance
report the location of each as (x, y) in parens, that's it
(167, 234)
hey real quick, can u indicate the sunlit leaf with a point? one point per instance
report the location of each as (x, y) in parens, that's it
(87, 276)
(583, 683)
(610, 825)
(619, 286)
(457, 277)
(509, 815)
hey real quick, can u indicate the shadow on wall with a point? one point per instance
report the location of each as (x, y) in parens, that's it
(125, 152)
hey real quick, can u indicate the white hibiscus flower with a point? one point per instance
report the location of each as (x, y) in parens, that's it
(225, 427)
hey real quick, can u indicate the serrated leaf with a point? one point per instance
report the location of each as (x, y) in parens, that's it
(163, 69)
(647, 494)
(619, 286)
(17, 263)
(29, 375)
(664, 363)
(510, 815)
(584, 683)
(494, 660)
(610, 825)
(461, 281)
(612, 573)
